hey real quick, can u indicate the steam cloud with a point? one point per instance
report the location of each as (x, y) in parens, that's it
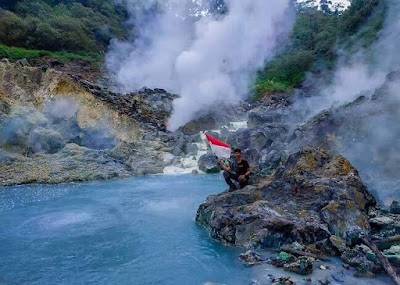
(374, 147)
(206, 60)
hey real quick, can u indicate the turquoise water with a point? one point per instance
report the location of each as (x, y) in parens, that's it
(133, 231)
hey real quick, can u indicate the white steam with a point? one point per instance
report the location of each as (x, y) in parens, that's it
(368, 69)
(373, 147)
(207, 60)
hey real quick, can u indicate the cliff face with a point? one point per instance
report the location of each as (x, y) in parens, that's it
(313, 197)
(54, 128)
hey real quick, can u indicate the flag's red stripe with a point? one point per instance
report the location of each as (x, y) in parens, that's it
(214, 141)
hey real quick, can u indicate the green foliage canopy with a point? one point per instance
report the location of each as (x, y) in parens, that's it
(314, 40)
(61, 25)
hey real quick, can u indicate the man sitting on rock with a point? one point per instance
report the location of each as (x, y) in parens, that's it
(241, 171)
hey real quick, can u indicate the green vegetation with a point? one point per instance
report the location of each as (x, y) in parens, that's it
(15, 53)
(64, 29)
(313, 43)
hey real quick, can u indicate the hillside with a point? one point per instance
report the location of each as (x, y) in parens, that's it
(315, 41)
(80, 31)
(63, 29)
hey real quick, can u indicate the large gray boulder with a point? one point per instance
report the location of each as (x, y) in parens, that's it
(198, 125)
(22, 62)
(249, 138)
(314, 195)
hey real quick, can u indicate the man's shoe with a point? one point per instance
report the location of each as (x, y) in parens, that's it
(232, 188)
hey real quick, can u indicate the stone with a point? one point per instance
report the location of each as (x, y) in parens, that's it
(393, 254)
(338, 277)
(22, 62)
(283, 281)
(207, 163)
(164, 137)
(364, 274)
(55, 63)
(168, 158)
(201, 124)
(5, 60)
(338, 243)
(192, 148)
(283, 259)
(381, 221)
(251, 257)
(253, 157)
(324, 281)
(311, 196)
(357, 257)
(395, 207)
(271, 161)
(308, 280)
(249, 138)
(303, 266)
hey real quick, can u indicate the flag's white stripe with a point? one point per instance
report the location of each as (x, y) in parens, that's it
(221, 151)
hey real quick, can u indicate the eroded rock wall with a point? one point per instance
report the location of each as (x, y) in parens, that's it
(52, 125)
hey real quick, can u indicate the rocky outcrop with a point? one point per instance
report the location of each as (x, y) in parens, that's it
(72, 163)
(251, 257)
(147, 106)
(312, 197)
(50, 122)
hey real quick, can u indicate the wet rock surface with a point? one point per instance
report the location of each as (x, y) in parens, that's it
(363, 259)
(311, 197)
(283, 281)
(251, 257)
(303, 265)
(315, 199)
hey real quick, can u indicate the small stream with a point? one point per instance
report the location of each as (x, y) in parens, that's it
(132, 231)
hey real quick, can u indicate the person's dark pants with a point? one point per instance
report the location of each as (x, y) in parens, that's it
(229, 176)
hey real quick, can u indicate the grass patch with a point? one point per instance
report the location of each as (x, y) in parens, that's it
(264, 87)
(15, 53)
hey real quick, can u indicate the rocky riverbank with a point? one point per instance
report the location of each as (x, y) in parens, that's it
(314, 202)
(55, 128)
(308, 201)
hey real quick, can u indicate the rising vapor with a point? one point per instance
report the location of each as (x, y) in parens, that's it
(370, 139)
(207, 60)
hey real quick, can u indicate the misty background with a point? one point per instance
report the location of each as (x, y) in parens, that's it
(370, 136)
(209, 52)
(205, 51)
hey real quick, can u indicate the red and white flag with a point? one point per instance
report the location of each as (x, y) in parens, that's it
(220, 148)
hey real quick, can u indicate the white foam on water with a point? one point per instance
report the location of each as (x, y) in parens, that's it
(58, 220)
(189, 164)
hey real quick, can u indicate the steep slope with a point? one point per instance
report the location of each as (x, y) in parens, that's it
(55, 129)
